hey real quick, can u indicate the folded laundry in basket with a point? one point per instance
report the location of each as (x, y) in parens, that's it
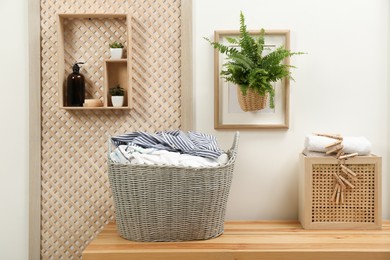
(192, 143)
(358, 145)
(151, 156)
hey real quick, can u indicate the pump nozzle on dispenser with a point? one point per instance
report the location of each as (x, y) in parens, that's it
(76, 67)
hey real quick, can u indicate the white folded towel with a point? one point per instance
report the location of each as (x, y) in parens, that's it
(135, 155)
(358, 145)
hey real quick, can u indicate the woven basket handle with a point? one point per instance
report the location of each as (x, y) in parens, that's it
(109, 144)
(234, 147)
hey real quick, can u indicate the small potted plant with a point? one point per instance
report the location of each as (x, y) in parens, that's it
(251, 70)
(117, 96)
(116, 50)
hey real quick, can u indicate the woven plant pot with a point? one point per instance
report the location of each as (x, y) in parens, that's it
(252, 101)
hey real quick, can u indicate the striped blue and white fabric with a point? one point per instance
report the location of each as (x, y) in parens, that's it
(193, 143)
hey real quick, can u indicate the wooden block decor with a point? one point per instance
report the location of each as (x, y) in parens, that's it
(76, 198)
(361, 202)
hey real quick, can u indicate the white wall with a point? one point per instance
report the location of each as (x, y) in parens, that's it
(14, 130)
(340, 87)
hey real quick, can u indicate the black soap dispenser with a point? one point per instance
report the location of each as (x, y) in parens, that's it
(75, 87)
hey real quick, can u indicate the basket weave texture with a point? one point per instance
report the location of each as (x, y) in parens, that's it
(361, 207)
(171, 203)
(252, 101)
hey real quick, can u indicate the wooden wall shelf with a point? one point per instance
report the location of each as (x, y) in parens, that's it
(86, 37)
(96, 108)
(250, 240)
(115, 72)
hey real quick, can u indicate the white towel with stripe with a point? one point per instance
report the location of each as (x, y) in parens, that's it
(192, 143)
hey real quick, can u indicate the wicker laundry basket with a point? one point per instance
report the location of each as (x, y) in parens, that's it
(170, 203)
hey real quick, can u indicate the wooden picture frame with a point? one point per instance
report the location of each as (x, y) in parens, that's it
(226, 113)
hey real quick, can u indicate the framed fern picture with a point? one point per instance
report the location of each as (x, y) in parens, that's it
(230, 105)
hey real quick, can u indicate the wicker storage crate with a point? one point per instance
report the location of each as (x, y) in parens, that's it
(170, 203)
(361, 208)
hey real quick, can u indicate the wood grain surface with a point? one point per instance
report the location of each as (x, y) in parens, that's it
(243, 240)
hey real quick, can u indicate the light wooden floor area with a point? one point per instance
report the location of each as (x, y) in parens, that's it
(256, 240)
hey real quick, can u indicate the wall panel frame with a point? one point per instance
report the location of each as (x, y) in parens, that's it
(36, 103)
(34, 129)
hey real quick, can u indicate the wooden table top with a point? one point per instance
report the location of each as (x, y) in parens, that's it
(251, 240)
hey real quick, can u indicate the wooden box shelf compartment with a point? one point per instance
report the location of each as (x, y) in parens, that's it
(115, 72)
(361, 208)
(86, 37)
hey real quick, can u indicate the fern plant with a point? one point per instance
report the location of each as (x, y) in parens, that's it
(247, 67)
